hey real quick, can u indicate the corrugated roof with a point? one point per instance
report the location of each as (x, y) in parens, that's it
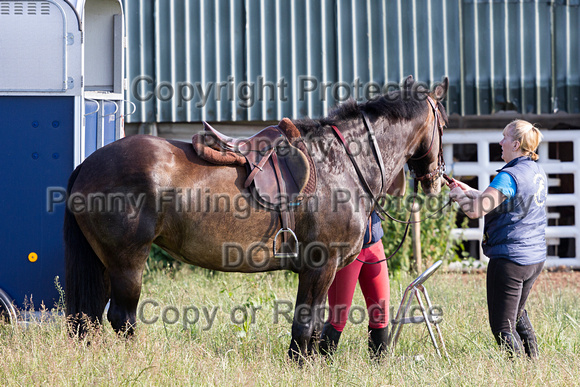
(233, 60)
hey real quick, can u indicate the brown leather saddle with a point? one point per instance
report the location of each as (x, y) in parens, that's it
(280, 170)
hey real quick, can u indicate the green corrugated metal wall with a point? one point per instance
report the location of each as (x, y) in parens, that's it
(234, 60)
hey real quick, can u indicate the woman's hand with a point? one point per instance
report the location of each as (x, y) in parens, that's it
(456, 193)
(455, 189)
(456, 183)
(472, 202)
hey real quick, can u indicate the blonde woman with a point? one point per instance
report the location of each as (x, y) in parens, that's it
(514, 207)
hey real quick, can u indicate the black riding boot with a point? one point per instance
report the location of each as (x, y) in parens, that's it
(528, 336)
(378, 341)
(509, 342)
(328, 339)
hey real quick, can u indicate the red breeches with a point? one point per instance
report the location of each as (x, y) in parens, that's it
(374, 283)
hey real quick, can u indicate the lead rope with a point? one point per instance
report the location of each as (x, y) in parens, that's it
(415, 190)
(367, 188)
(408, 222)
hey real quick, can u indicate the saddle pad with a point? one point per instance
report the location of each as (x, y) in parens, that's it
(202, 144)
(310, 186)
(293, 134)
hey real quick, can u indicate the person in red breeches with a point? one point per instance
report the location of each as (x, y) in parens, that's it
(370, 270)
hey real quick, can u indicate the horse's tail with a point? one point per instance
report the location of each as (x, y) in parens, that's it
(85, 291)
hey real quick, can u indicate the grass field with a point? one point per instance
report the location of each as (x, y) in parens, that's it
(237, 351)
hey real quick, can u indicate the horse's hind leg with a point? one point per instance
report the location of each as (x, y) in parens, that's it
(125, 291)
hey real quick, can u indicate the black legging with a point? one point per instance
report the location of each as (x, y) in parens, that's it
(508, 287)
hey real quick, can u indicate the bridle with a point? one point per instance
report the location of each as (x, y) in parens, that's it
(438, 124)
(436, 173)
(439, 171)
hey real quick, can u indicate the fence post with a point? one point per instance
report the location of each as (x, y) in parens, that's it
(416, 236)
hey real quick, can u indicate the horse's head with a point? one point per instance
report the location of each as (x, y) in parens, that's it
(427, 161)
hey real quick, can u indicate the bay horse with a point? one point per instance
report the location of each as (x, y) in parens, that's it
(106, 249)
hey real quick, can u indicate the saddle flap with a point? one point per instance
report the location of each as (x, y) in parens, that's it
(294, 169)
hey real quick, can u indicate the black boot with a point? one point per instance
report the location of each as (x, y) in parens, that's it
(528, 336)
(378, 341)
(328, 339)
(509, 342)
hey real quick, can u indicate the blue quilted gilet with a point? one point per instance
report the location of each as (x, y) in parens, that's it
(516, 229)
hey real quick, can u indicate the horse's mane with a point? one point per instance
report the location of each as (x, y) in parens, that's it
(392, 106)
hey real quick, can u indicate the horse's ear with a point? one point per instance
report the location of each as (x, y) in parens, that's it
(408, 82)
(440, 89)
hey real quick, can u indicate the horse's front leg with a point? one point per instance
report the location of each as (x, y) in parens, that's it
(309, 310)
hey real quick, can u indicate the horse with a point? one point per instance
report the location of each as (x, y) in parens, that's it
(148, 190)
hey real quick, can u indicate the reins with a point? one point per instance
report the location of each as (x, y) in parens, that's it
(439, 171)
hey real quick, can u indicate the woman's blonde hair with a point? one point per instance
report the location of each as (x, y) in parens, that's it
(528, 135)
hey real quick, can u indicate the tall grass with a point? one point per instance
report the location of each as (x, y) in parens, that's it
(249, 353)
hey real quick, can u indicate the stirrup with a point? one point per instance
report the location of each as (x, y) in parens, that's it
(286, 255)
